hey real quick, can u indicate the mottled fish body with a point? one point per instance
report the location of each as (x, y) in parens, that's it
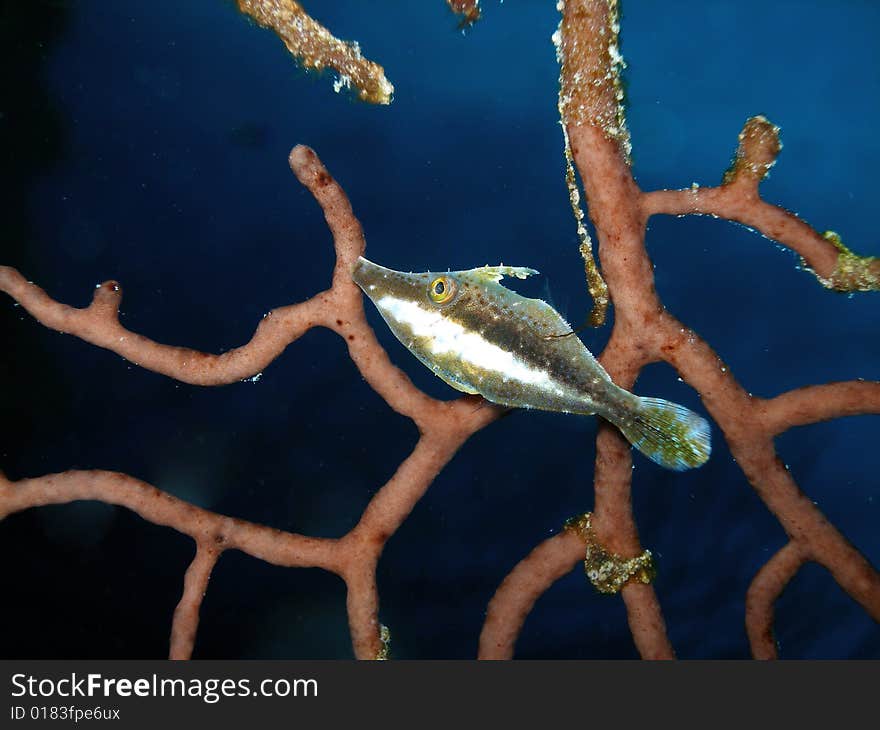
(483, 338)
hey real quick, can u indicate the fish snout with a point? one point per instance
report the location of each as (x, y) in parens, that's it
(364, 271)
(371, 277)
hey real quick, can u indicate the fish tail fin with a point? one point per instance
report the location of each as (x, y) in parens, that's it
(667, 433)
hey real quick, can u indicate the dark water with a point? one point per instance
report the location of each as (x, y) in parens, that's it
(147, 142)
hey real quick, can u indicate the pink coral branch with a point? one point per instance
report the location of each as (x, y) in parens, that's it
(185, 623)
(160, 508)
(362, 603)
(765, 589)
(739, 202)
(515, 597)
(815, 403)
(643, 332)
(738, 199)
(444, 426)
(99, 325)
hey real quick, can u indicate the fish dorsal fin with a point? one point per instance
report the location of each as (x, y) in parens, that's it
(496, 273)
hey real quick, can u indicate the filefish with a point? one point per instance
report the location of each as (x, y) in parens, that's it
(482, 338)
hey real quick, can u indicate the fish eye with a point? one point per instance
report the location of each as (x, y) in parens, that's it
(442, 289)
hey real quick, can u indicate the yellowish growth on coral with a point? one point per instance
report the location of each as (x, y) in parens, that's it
(590, 92)
(759, 145)
(385, 637)
(607, 571)
(317, 48)
(590, 88)
(853, 272)
(595, 283)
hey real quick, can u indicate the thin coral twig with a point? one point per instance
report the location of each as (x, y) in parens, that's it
(814, 403)
(185, 623)
(515, 597)
(761, 596)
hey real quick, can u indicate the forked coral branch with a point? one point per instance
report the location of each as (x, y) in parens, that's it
(443, 427)
(644, 332)
(591, 105)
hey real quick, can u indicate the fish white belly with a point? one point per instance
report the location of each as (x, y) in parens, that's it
(468, 361)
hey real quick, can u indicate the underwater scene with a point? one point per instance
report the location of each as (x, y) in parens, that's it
(148, 143)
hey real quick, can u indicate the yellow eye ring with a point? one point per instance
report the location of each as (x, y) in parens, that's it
(442, 289)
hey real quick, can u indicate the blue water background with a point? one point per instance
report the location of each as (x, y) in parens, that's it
(165, 168)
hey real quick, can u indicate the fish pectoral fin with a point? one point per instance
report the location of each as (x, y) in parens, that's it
(496, 273)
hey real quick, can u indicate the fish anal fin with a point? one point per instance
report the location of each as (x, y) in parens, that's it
(457, 385)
